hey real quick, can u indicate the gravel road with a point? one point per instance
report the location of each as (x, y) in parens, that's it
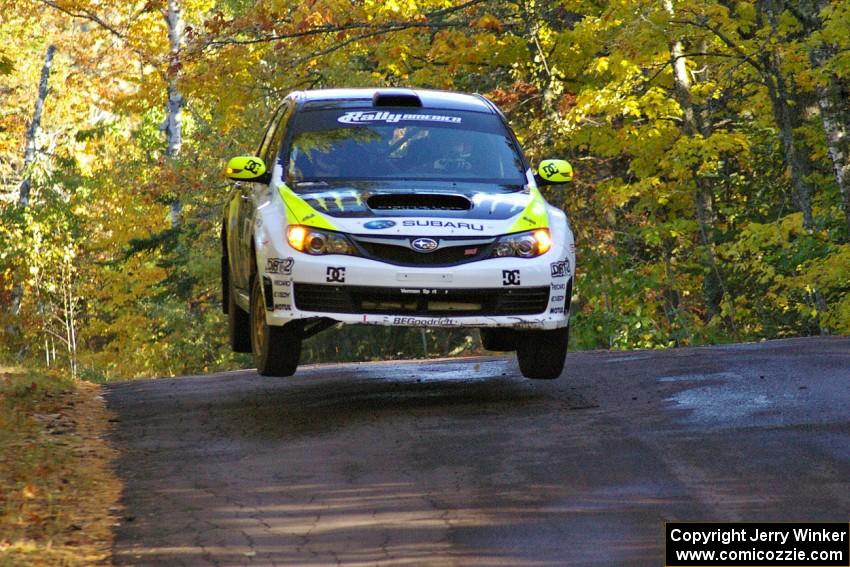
(464, 462)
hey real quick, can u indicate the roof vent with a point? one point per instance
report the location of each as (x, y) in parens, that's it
(396, 97)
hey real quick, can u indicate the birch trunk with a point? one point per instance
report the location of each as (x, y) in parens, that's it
(35, 126)
(838, 143)
(835, 126)
(29, 158)
(695, 124)
(173, 125)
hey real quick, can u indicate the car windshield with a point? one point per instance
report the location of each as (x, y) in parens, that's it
(402, 144)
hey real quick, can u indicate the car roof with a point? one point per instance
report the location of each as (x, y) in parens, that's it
(445, 100)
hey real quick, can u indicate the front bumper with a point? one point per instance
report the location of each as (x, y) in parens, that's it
(498, 292)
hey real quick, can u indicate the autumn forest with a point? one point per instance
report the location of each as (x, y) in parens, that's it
(711, 201)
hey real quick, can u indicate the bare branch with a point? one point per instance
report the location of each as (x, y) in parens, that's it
(86, 15)
(377, 29)
(103, 24)
(369, 35)
(725, 39)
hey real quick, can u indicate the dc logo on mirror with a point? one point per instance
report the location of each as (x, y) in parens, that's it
(252, 166)
(379, 224)
(550, 169)
(424, 244)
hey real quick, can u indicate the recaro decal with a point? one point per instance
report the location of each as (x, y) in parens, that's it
(366, 117)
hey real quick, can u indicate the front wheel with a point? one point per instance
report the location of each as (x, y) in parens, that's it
(277, 349)
(541, 354)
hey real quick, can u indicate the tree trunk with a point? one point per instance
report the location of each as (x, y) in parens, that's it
(837, 142)
(834, 117)
(787, 116)
(787, 119)
(836, 123)
(551, 88)
(29, 158)
(695, 124)
(173, 125)
(35, 125)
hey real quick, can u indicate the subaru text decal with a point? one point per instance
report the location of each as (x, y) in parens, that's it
(361, 117)
(443, 224)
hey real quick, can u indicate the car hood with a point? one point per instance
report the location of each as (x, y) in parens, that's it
(416, 207)
(422, 199)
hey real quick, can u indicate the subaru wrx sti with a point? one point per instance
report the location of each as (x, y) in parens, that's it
(394, 207)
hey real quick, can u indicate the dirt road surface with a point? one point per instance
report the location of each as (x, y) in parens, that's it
(464, 462)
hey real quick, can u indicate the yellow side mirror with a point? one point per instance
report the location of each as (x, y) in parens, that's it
(245, 168)
(555, 171)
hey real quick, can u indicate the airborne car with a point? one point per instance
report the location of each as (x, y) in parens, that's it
(394, 207)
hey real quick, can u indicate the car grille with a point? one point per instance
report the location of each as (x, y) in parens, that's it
(417, 301)
(396, 250)
(404, 256)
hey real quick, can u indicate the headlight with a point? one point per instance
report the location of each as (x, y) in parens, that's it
(317, 242)
(523, 244)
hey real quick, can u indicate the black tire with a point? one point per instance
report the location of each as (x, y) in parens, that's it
(276, 349)
(503, 340)
(541, 354)
(238, 322)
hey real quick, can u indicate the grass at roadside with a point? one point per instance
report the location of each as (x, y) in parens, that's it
(56, 481)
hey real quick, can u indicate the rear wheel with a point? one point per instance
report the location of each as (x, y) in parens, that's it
(276, 349)
(238, 322)
(541, 354)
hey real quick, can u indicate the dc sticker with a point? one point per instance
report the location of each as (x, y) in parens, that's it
(510, 277)
(560, 269)
(335, 275)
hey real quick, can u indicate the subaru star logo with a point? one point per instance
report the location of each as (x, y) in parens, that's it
(424, 244)
(379, 224)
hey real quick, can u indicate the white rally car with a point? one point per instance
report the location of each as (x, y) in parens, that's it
(394, 207)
